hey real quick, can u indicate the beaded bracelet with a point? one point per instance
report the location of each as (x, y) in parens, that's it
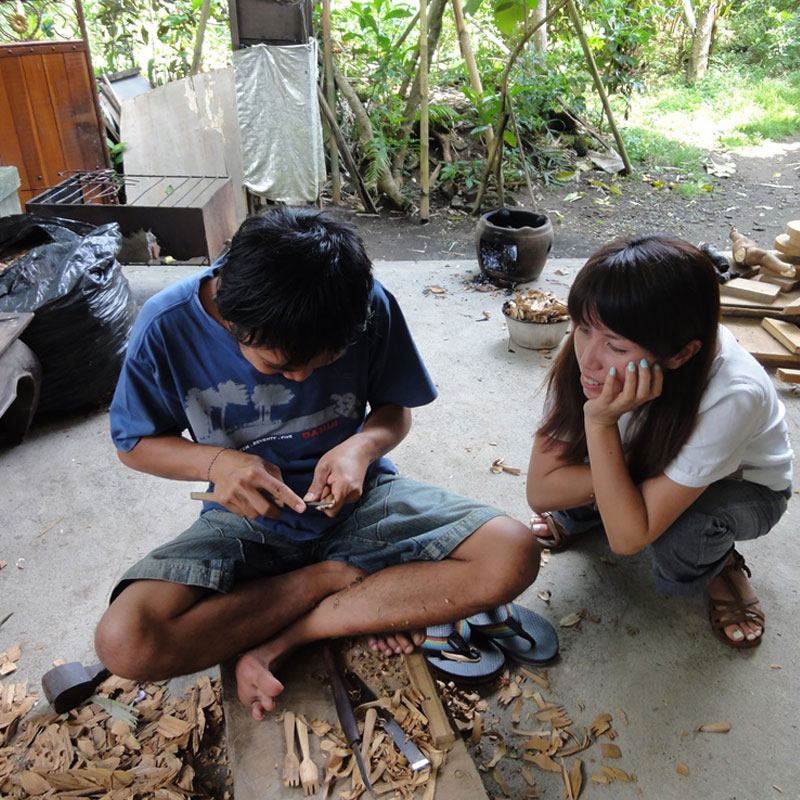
(211, 463)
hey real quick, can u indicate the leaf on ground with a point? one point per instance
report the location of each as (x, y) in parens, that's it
(573, 196)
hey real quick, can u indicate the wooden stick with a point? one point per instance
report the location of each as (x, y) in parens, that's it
(424, 142)
(598, 83)
(330, 93)
(785, 332)
(438, 724)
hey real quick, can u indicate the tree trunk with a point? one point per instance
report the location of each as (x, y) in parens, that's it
(197, 58)
(540, 36)
(386, 182)
(702, 40)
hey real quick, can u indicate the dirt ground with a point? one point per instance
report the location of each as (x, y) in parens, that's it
(758, 198)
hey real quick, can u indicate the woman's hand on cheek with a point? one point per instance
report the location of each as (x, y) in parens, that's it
(622, 393)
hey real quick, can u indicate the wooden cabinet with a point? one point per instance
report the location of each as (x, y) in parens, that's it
(49, 120)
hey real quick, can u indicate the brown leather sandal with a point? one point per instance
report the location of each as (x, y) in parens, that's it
(556, 538)
(723, 613)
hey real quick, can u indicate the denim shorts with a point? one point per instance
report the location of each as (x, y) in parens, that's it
(694, 549)
(396, 521)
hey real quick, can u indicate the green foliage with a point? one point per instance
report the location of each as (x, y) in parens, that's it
(157, 36)
(762, 32)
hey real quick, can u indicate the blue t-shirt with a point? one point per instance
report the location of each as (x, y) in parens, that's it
(185, 372)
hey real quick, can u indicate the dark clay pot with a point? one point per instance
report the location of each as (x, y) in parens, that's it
(513, 245)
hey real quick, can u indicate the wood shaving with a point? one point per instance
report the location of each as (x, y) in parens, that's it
(715, 727)
(536, 306)
(87, 753)
(610, 750)
(571, 620)
(682, 769)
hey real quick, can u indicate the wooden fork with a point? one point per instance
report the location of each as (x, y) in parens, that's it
(291, 763)
(309, 774)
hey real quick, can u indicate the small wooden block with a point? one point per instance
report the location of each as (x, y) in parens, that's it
(792, 309)
(793, 232)
(785, 332)
(789, 375)
(786, 246)
(768, 351)
(748, 289)
(785, 284)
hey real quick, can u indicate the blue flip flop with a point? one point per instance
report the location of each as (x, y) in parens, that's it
(451, 650)
(520, 633)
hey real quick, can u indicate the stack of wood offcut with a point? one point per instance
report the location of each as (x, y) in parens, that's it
(133, 741)
(762, 307)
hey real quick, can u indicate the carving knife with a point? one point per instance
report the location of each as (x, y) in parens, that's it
(387, 722)
(346, 716)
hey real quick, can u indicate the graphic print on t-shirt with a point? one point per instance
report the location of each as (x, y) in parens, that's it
(230, 415)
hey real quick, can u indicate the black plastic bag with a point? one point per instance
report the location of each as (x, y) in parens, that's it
(72, 281)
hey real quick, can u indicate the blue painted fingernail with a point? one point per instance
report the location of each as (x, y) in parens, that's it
(657, 366)
(643, 363)
(612, 371)
(631, 366)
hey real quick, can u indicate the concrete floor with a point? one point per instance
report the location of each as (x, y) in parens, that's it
(74, 518)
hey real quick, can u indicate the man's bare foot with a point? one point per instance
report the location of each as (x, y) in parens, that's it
(256, 686)
(391, 644)
(718, 589)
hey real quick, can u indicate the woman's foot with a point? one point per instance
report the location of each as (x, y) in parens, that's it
(733, 608)
(548, 532)
(395, 643)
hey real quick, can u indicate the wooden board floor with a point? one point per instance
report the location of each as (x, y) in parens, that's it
(256, 749)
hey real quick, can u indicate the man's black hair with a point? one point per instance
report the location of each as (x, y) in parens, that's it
(296, 281)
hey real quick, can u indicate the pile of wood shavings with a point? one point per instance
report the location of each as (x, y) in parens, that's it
(389, 770)
(536, 306)
(147, 747)
(548, 746)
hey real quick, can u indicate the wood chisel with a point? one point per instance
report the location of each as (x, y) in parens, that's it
(346, 716)
(385, 719)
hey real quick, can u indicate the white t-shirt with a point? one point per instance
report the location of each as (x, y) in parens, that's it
(740, 424)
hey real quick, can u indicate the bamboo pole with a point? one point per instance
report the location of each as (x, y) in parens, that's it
(330, 94)
(469, 59)
(598, 83)
(424, 143)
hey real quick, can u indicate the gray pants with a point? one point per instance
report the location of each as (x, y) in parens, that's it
(694, 548)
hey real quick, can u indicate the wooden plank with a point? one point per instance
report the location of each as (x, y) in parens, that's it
(748, 289)
(31, 171)
(83, 113)
(785, 332)
(256, 749)
(44, 118)
(768, 351)
(188, 127)
(789, 375)
(784, 284)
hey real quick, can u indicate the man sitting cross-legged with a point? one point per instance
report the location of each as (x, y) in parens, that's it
(293, 372)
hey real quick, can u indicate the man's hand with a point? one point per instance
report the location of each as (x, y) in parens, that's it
(240, 480)
(339, 475)
(622, 393)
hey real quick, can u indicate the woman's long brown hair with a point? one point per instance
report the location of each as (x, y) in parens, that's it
(661, 293)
